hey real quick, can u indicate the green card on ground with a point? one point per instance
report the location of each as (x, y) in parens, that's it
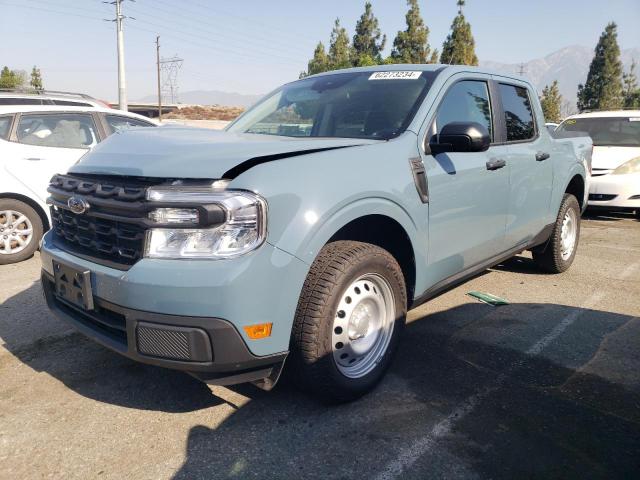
(488, 298)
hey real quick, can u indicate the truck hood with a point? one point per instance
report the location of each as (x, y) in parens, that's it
(178, 152)
(608, 158)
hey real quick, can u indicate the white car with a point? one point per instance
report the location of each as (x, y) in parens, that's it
(36, 142)
(615, 175)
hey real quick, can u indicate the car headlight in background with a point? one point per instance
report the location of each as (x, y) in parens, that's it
(243, 229)
(632, 166)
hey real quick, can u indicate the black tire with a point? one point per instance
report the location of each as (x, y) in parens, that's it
(311, 362)
(549, 257)
(637, 213)
(10, 204)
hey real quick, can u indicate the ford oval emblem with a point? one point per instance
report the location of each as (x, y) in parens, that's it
(77, 205)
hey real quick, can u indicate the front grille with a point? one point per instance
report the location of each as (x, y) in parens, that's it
(601, 197)
(115, 242)
(112, 231)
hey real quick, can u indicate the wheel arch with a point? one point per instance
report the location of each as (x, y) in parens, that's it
(384, 232)
(576, 187)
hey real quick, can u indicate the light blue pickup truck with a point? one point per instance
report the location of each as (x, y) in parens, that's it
(307, 229)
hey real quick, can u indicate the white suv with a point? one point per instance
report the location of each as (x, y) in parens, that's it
(615, 175)
(36, 142)
(15, 97)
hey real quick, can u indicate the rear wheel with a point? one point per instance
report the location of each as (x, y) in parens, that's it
(638, 213)
(557, 255)
(350, 314)
(20, 231)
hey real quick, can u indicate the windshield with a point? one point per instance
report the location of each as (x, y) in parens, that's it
(606, 131)
(375, 105)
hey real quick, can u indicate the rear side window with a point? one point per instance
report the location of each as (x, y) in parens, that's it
(466, 101)
(118, 123)
(5, 126)
(517, 112)
(68, 130)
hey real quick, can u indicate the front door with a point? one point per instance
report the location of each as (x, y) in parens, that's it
(45, 144)
(467, 200)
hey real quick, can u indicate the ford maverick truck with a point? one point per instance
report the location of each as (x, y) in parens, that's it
(303, 233)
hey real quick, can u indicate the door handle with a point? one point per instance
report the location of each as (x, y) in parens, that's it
(496, 164)
(34, 159)
(542, 156)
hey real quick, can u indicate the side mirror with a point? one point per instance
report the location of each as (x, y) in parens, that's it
(461, 137)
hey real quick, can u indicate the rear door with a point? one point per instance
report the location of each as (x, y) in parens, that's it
(530, 164)
(44, 144)
(467, 200)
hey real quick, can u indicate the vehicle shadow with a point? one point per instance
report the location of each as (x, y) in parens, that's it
(570, 411)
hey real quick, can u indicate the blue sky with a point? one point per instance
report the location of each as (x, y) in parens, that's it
(252, 46)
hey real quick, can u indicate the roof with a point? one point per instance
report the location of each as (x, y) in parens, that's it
(608, 113)
(425, 67)
(8, 109)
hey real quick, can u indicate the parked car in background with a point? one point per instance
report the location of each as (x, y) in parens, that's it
(49, 97)
(615, 175)
(551, 126)
(308, 228)
(36, 142)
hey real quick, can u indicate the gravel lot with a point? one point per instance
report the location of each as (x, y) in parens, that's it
(547, 387)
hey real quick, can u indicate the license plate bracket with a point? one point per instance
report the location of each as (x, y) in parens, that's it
(73, 285)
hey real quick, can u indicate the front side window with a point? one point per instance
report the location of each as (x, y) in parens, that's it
(68, 130)
(375, 105)
(118, 123)
(5, 126)
(606, 131)
(517, 113)
(466, 101)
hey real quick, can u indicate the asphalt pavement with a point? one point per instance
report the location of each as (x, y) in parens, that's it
(545, 387)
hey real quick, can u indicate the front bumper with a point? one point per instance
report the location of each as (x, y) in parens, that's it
(204, 304)
(208, 348)
(615, 191)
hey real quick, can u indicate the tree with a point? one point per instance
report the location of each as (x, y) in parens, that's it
(368, 41)
(551, 102)
(459, 48)
(339, 48)
(411, 45)
(631, 91)
(603, 88)
(319, 63)
(36, 79)
(11, 78)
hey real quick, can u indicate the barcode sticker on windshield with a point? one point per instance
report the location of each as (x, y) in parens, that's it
(395, 75)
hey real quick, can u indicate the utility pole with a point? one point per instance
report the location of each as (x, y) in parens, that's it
(122, 85)
(158, 67)
(521, 70)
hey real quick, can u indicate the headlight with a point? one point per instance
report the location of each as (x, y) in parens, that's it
(243, 230)
(632, 166)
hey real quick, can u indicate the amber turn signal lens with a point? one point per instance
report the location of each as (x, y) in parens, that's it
(261, 330)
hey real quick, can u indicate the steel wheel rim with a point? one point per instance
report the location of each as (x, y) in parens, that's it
(568, 234)
(363, 325)
(16, 232)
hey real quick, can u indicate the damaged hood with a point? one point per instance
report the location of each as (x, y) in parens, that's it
(174, 152)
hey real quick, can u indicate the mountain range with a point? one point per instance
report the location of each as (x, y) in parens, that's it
(569, 66)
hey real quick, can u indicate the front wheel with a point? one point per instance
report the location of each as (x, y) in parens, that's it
(20, 231)
(557, 255)
(350, 315)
